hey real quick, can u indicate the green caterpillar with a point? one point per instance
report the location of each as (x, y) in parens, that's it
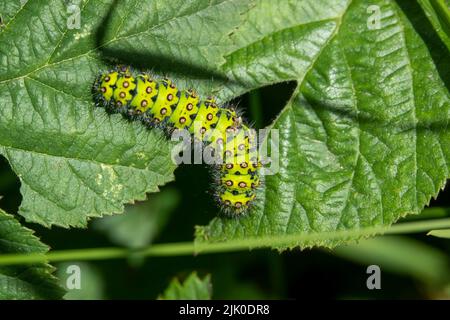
(159, 103)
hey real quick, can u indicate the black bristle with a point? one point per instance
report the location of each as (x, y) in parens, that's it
(147, 119)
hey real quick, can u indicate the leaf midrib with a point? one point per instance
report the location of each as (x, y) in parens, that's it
(312, 65)
(289, 104)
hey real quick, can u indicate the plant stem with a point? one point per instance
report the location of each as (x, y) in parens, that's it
(193, 248)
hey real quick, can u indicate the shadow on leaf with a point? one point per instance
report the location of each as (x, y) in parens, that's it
(148, 61)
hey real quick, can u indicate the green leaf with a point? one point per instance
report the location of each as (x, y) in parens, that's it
(24, 282)
(140, 223)
(193, 288)
(363, 140)
(445, 233)
(437, 11)
(76, 162)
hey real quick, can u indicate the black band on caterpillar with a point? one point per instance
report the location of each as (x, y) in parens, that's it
(158, 103)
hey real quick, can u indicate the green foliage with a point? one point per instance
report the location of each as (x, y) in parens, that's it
(73, 161)
(363, 139)
(24, 282)
(444, 233)
(193, 288)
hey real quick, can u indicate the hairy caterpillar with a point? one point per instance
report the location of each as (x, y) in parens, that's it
(158, 103)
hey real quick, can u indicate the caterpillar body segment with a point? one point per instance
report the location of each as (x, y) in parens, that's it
(159, 103)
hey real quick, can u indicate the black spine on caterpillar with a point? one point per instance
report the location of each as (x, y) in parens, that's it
(158, 103)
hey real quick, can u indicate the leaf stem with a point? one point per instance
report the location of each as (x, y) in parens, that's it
(194, 248)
